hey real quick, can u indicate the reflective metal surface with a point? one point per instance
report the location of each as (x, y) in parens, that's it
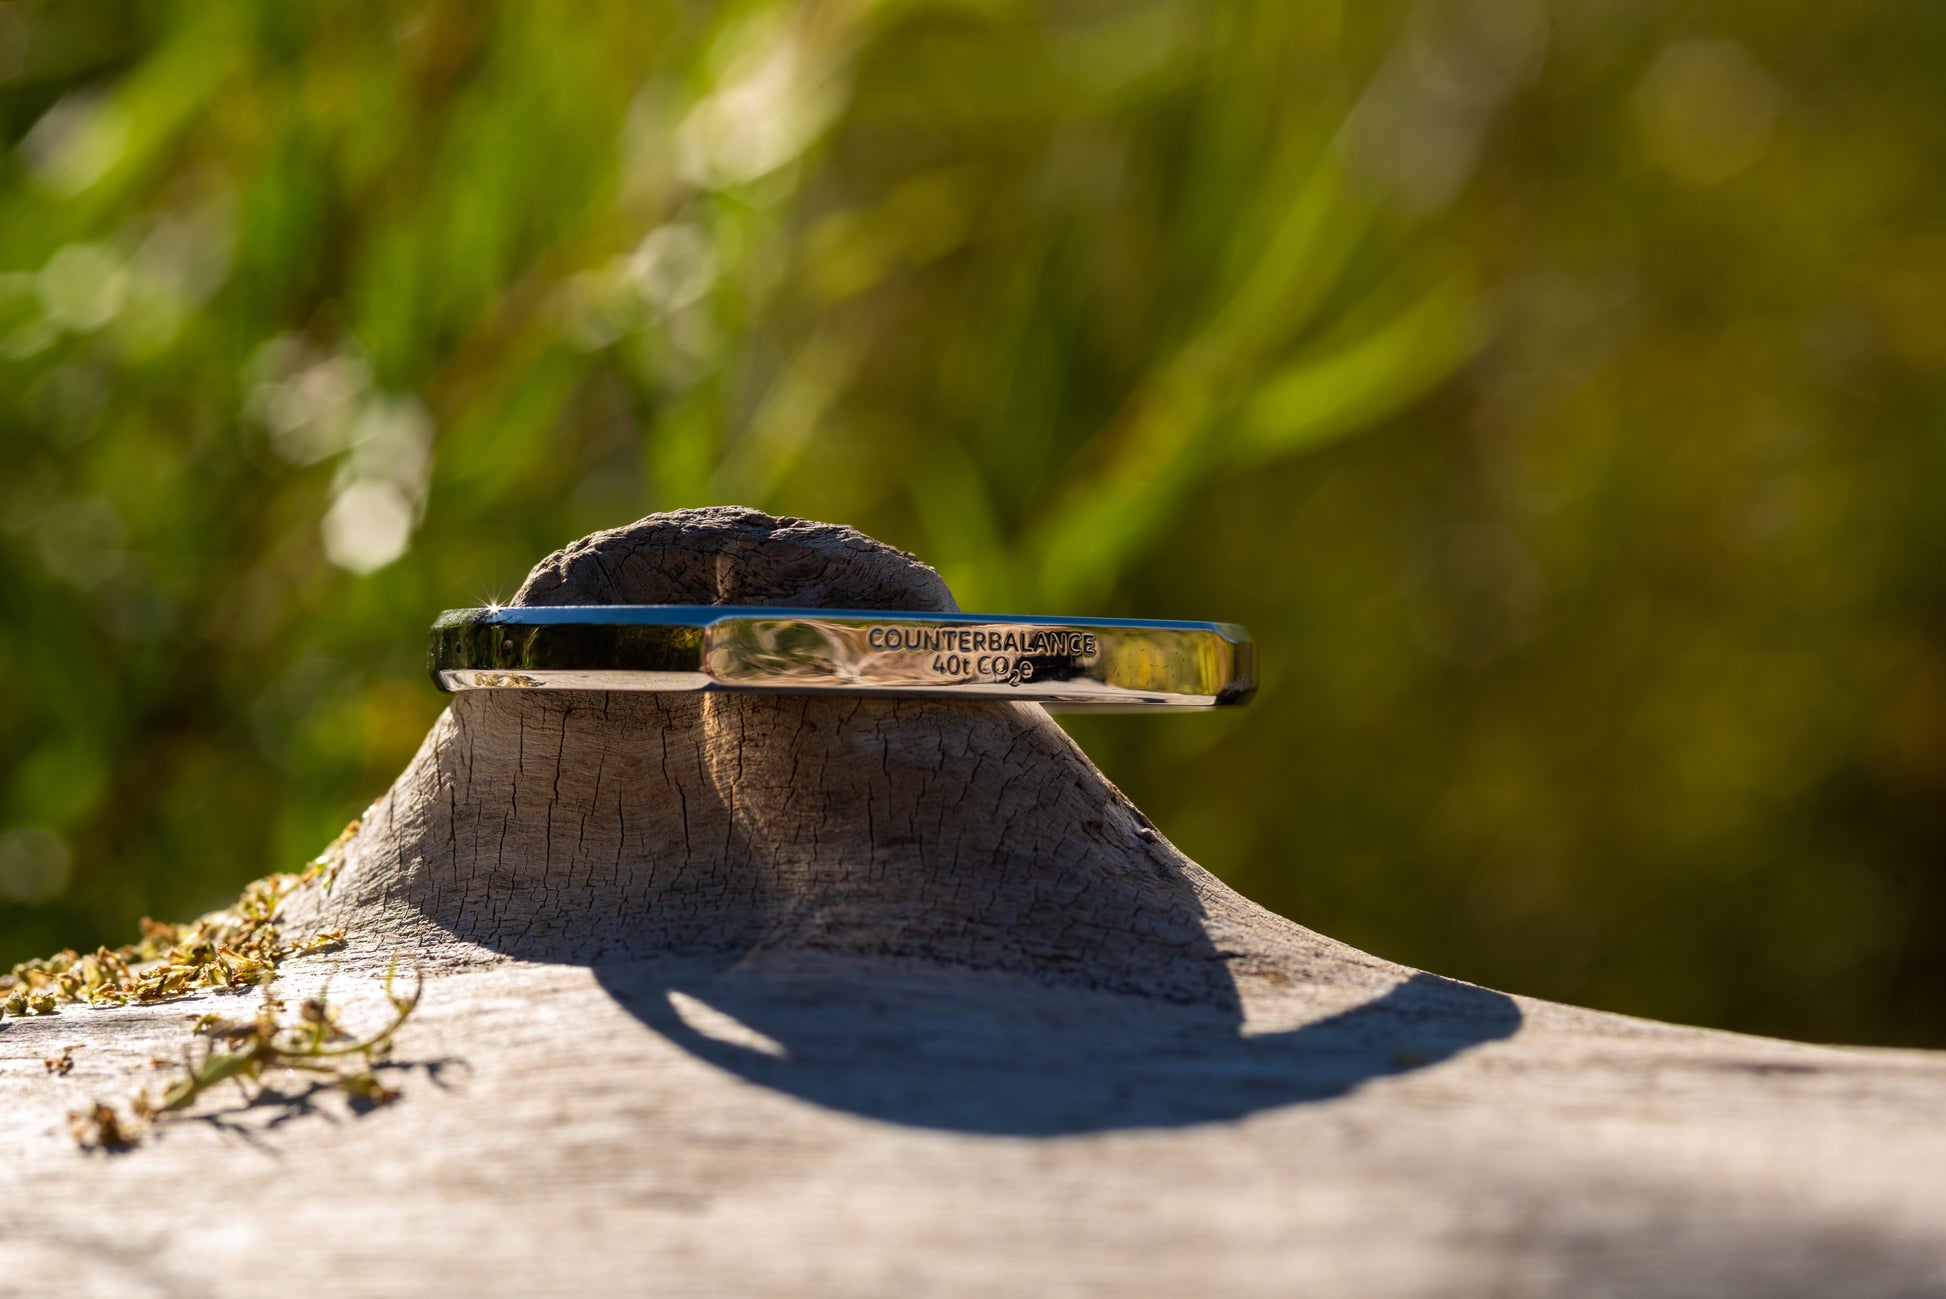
(1072, 662)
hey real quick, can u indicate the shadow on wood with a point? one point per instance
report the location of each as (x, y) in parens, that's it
(999, 1056)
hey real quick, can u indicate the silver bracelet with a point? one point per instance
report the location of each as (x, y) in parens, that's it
(1104, 663)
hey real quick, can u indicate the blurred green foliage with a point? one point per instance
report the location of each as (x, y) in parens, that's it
(1604, 663)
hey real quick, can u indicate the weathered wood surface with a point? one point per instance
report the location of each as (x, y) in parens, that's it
(775, 995)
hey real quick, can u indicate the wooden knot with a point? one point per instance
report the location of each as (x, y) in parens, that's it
(732, 555)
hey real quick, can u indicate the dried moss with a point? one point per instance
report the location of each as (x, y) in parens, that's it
(236, 948)
(311, 1044)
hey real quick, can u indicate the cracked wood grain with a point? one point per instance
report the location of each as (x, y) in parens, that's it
(794, 995)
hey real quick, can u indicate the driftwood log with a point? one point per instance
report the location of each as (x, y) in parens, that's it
(782, 995)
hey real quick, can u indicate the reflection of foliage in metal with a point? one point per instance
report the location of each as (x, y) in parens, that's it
(791, 648)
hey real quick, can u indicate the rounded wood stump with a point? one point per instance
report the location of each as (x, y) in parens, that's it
(770, 994)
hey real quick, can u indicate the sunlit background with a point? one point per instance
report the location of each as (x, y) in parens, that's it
(1554, 389)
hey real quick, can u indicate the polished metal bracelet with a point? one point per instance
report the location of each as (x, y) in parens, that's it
(1100, 663)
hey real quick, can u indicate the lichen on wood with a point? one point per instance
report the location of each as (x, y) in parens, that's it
(312, 1044)
(236, 949)
(232, 950)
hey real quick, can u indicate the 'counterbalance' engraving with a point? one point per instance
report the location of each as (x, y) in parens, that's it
(994, 654)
